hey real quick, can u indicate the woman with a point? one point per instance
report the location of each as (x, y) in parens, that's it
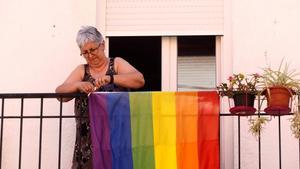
(99, 74)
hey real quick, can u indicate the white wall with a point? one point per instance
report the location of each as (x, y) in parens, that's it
(38, 51)
(38, 48)
(268, 28)
(263, 32)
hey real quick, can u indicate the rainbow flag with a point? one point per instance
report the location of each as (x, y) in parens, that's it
(155, 130)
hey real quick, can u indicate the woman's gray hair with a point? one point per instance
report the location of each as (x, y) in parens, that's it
(88, 34)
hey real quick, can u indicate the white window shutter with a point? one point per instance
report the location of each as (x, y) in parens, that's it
(196, 72)
(164, 17)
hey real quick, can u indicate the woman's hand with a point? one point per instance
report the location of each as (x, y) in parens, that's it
(101, 81)
(86, 87)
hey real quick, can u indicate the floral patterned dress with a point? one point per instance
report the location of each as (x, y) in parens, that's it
(82, 158)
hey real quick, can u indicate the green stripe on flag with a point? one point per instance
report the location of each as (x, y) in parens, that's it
(142, 130)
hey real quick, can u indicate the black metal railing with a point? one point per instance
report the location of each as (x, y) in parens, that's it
(259, 147)
(259, 113)
(41, 117)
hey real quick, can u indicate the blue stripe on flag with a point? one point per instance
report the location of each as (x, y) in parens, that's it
(120, 130)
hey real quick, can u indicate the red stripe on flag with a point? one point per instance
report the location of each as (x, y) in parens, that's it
(208, 130)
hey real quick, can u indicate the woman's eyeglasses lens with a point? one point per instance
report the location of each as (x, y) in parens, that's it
(91, 51)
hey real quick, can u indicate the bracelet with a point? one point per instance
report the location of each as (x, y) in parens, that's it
(111, 78)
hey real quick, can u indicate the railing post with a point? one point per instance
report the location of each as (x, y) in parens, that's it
(1, 136)
(60, 128)
(279, 135)
(21, 132)
(259, 133)
(259, 151)
(41, 133)
(239, 141)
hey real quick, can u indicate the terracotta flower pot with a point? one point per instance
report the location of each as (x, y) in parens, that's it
(278, 99)
(278, 96)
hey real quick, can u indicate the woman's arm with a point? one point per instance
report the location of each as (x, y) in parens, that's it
(127, 76)
(74, 83)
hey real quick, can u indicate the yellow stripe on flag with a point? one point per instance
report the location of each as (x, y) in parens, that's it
(164, 124)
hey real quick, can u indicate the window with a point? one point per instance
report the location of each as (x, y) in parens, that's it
(144, 53)
(196, 62)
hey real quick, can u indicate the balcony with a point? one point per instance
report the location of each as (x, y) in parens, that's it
(38, 131)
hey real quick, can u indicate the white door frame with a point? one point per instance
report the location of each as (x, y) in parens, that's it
(169, 63)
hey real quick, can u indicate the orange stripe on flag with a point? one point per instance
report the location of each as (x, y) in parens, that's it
(186, 130)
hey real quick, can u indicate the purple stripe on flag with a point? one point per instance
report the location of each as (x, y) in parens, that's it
(100, 132)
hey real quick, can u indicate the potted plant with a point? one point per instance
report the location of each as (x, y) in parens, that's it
(279, 87)
(295, 120)
(256, 125)
(295, 125)
(243, 90)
